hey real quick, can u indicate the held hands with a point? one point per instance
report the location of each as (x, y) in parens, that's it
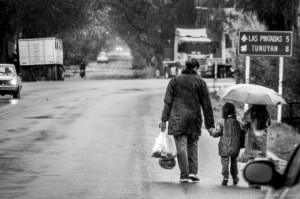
(162, 126)
(211, 131)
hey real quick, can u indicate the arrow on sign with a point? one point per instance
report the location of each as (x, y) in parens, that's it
(244, 38)
(244, 48)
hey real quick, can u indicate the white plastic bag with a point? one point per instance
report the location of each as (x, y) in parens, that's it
(170, 147)
(242, 157)
(158, 146)
(164, 147)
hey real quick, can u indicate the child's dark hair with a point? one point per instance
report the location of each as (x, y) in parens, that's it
(260, 113)
(228, 109)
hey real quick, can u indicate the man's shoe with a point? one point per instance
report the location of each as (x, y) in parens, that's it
(235, 180)
(184, 180)
(194, 178)
(224, 182)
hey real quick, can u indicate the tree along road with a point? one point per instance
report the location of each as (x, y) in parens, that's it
(93, 139)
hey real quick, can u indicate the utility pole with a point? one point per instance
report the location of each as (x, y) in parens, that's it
(298, 21)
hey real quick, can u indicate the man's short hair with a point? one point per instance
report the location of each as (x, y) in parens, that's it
(192, 63)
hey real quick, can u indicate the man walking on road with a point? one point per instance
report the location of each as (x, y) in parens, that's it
(185, 96)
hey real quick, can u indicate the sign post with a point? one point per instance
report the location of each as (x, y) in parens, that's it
(279, 111)
(215, 75)
(266, 43)
(247, 76)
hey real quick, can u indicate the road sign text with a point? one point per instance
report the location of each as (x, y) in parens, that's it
(265, 43)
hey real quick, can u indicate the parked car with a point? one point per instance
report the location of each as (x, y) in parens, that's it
(102, 58)
(10, 81)
(286, 185)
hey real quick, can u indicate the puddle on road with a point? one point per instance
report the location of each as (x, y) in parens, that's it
(60, 107)
(42, 136)
(44, 117)
(75, 115)
(15, 162)
(40, 117)
(94, 89)
(15, 174)
(122, 91)
(10, 163)
(20, 130)
(9, 101)
(70, 91)
(133, 89)
(4, 140)
(46, 136)
(4, 101)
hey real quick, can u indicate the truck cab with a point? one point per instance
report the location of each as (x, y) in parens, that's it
(200, 44)
(188, 43)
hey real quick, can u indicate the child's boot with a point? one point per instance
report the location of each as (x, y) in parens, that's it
(235, 180)
(224, 181)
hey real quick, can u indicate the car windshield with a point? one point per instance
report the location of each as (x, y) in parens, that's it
(194, 48)
(7, 70)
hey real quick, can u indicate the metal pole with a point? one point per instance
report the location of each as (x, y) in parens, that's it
(247, 76)
(215, 74)
(279, 111)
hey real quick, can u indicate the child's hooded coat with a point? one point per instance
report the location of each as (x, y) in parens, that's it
(229, 131)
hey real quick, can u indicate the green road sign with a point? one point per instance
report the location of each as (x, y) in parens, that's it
(265, 43)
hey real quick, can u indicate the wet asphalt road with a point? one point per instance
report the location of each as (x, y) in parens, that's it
(93, 139)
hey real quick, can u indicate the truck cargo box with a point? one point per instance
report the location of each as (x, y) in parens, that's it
(40, 51)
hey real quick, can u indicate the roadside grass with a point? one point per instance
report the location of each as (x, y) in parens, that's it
(282, 138)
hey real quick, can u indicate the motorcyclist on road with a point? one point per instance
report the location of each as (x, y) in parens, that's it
(82, 69)
(82, 66)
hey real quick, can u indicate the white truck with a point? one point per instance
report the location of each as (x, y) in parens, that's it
(200, 44)
(41, 59)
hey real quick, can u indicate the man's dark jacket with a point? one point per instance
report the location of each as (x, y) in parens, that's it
(185, 96)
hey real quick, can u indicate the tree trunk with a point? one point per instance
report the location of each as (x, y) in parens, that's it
(297, 4)
(3, 46)
(3, 40)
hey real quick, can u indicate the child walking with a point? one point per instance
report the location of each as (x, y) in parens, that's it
(229, 131)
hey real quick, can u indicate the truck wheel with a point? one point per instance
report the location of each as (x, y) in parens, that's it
(54, 73)
(24, 75)
(48, 77)
(17, 94)
(27, 74)
(60, 73)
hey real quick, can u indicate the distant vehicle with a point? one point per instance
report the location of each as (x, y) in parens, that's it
(41, 58)
(82, 70)
(119, 55)
(102, 58)
(10, 81)
(286, 185)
